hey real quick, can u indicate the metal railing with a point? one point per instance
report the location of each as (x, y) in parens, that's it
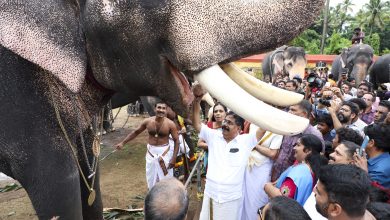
(195, 168)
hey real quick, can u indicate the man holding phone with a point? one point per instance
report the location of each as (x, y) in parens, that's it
(377, 149)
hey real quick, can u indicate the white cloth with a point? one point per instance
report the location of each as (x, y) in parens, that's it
(272, 142)
(257, 174)
(358, 126)
(310, 208)
(223, 211)
(227, 162)
(154, 173)
(182, 144)
(254, 194)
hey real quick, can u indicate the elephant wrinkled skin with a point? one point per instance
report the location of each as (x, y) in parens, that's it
(81, 52)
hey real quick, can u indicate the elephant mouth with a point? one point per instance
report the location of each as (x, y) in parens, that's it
(244, 94)
(182, 84)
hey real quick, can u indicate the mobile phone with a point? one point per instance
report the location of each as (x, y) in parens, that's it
(364, 145)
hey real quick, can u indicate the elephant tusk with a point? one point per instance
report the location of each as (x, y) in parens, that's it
(247, 106)
(207, 98)
(261, 90)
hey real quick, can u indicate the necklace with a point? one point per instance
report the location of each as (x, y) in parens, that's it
(157, 132)
(92, 193)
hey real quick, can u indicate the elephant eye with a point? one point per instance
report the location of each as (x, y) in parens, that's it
(290, 64)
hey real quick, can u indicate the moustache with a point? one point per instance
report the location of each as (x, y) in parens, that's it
(225, 127)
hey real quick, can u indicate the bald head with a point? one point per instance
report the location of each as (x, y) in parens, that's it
(167, 200)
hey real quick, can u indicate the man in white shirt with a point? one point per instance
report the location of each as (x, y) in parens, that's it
(228, 156)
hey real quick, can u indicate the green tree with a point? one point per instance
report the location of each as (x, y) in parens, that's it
(336, 43)
(309, 40)
(374, 41)
(344, 15)
(324, 30)
(377, 11)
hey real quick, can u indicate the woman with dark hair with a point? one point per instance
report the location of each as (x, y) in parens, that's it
(281, 207)
(303, 174)
(219, 114)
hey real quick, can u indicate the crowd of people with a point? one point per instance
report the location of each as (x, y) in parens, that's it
(337, 168)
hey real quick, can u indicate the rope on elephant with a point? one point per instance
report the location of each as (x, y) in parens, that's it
(117, 114)
(126, 121)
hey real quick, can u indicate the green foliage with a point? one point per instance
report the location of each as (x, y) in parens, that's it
(385, 51)
(335, 43)
(373, 18)
(375, 41)
(10, 187)
(309, 40)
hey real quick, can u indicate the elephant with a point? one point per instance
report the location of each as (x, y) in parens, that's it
(357, 60)
(380, 71)
(283, 61)
(61, 61)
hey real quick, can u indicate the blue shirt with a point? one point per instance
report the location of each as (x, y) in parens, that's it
(379, 169)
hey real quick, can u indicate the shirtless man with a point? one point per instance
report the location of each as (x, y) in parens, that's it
(159, 159)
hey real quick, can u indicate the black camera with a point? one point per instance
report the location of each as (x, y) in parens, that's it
(325, 101)
(315, 81)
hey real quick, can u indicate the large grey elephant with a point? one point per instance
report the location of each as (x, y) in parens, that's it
(61, 61)
(380, 71)
(357, 59)
(284, 61)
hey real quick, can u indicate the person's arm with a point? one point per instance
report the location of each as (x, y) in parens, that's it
(360, 161)
(202, 144)
(175, 138)
(198, 92)
(271, 153)
(337, 91)
(132, 135)
(271, 190)
(259, 134)
(332, 111)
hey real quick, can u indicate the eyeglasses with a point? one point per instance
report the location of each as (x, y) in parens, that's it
(344, 109)
(260, 212)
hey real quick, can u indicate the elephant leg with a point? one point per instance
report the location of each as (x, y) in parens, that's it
(107, 126)
(52, 183)
(95, 210)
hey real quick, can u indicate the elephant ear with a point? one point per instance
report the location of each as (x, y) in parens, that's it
(48, 34)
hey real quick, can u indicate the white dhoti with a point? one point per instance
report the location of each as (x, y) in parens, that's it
(254, 194)
(226, 211)
(154, 172)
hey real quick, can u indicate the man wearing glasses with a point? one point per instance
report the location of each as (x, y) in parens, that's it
(345, 116)
(228, 156)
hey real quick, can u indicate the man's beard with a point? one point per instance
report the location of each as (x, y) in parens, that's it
(322, 209)
(342, 118)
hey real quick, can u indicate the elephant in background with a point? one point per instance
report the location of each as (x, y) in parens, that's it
(61, 61)
(284, 61)
(357, 60)
(380, 71)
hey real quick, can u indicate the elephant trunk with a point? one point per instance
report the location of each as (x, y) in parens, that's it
(359, 72)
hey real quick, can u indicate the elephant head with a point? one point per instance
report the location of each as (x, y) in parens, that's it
(143, 47)
(283, 61)
(380, 71)
(357, 59)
